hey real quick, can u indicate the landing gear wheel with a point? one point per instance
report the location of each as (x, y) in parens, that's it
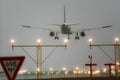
(56, 38)
(76, 38)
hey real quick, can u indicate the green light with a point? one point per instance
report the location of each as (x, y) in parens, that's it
(35, 72)
(44, 72)
(59, 72)
(21, 73)
(81, 71)
(29, 73)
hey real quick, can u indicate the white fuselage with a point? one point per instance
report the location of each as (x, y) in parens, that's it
(65, 29)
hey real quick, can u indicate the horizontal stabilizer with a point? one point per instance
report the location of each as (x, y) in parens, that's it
(107, 26)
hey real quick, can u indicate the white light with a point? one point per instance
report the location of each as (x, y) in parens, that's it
(117, 63)
(90, 40)
(51, 69)
(116, 40)
(65, 40)
(22, 71)
(112, 67)
(64, 68)
(38, 69)
(12, 41)
(38, 41)
(104, 70)
(76, 68)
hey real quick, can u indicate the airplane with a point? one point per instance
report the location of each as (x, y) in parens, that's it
(65, 29)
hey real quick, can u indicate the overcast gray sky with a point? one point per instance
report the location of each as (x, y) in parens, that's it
(42, 13)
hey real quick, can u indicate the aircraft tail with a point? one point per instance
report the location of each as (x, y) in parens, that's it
(64, 15)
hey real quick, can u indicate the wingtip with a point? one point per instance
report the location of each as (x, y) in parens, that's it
(107, 26)
(26, 26)
(110, 25)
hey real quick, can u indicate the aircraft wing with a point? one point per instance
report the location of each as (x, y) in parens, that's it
(73, 24)
(66, 24)
(34, 27)
(103, 27)
(41, 28)
(91, 29)
(57, 25)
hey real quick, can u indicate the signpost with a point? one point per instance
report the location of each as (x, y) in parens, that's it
(11, 65)
(110, 64)
(90, 65)
(116, 46)
(39, 53)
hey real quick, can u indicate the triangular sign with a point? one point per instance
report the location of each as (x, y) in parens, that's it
(11, 65)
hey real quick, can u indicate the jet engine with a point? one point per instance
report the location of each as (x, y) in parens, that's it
(82, 34)
(52, 34)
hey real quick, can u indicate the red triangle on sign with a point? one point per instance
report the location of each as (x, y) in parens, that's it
(11, 65)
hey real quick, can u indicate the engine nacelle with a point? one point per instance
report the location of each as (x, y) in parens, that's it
(82, 34)
(52, 34)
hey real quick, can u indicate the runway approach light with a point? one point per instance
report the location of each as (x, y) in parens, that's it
(65, 41)
(38, 41)
(90, 42)
(12, 43)
(116, 40)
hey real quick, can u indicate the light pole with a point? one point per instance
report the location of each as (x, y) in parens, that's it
(90, 65)
(76, 71)
(116, 46)
(50, 73)
(39, 59)
(90, 42)
(117, 54)
(110, 64)
(38, 53)
(64, 71)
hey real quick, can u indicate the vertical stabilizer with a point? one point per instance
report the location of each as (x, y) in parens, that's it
(64, 15)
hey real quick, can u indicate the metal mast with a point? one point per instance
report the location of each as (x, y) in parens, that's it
(38, 54)
(116, 53)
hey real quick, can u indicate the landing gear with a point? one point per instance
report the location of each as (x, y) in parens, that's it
(56, 38)
(68, 36)
(76, 37)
